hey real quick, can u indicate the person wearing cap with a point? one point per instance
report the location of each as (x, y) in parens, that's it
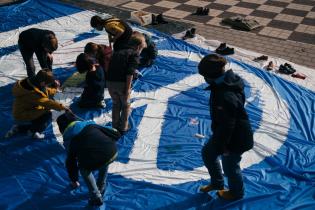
(32, 104)
(90, 147)
(119, 32)
(41, 42)
(231, 130)
(93, 93)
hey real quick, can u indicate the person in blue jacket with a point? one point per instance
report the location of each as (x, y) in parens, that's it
(90, 147)
(231, 130)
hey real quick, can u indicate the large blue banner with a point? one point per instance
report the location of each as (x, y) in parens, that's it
(159, 165)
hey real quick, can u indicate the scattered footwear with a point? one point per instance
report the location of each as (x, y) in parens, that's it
(154, 22)
(208, 188)
(101, 104)
(96, 201)
(241, 23)
(199, 11)
(191, 33)
(227, 195)
(205, 11)
(290, 67)
(285, 69)
(224, 50)
(299, 75)
(202, 11)
(14, 130)
(261, 58)
(160, 19)
(270, 66)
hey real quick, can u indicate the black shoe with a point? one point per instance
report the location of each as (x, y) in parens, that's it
(193, 32)
(154, 22)
(160, 19)
(199, 11)
(284, 69)
(290, 68)
(205, 11)
(221, 47)
(190, 34)
(96, 201)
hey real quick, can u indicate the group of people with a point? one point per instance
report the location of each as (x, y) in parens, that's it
(92, 147)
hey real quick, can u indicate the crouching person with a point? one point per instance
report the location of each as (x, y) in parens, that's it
(32, 104)
(231, 131)
(90, 147)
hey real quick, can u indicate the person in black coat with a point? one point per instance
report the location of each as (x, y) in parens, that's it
(93, 93)
(41, 42)
(231, 130)
(89, 147)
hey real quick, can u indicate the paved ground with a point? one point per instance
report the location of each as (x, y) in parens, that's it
(288, 29)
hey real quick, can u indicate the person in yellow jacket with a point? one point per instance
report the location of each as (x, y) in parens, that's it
(32, 104)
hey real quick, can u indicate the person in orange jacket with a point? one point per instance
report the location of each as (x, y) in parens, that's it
(32, 104)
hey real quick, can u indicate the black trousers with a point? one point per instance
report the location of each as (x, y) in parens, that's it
(37, 125)
(42, 58)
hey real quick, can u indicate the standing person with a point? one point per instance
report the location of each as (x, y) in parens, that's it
(90, 147)
(32, 104)
(231, 131)
(120, 74)
(93, 93)
(41, 42)
(119, 32)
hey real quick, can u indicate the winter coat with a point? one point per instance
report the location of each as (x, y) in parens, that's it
(230, 124)
(89, 146)
(30, 102)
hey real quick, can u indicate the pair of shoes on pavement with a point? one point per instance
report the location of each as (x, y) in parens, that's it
(224, 194)
(224, 50)
(191, 33)
(159, 19)
(286, 69)
(202, 11)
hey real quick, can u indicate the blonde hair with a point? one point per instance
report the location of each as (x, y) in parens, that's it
(140, 37)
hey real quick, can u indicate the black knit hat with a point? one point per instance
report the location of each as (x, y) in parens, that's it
(212, 66)
(64, 120)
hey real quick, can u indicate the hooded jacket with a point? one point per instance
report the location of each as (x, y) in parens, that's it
(230, 124)
(31, 102)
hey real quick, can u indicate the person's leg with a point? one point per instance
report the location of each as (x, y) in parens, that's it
(43, 59)
(101, 179)
(125, 111)
(231, 167)
(28, 60)
(95, 195)
(41, 123)
(212, 163)
(112, 89)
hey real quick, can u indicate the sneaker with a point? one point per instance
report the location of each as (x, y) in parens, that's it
(36, 135)
(225, 51)
(227, 195)
(14, 130)
(208, 188)
(270, 66)
(96, 201)
(284, 70)
(291, 69)
(261, 58)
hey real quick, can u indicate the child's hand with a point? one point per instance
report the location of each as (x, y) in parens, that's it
(74, 185)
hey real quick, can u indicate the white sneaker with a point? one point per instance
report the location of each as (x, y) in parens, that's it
(36, 135)
(14, 130)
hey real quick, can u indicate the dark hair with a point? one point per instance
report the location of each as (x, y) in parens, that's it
(212, 66)
(91, 48)
(64, 120)
(50, 42)
(84, 63)
(95, 21)
(136, 40)
(45, 75)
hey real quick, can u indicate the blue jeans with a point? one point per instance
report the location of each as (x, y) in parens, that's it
(231, 168)
(96, 189)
